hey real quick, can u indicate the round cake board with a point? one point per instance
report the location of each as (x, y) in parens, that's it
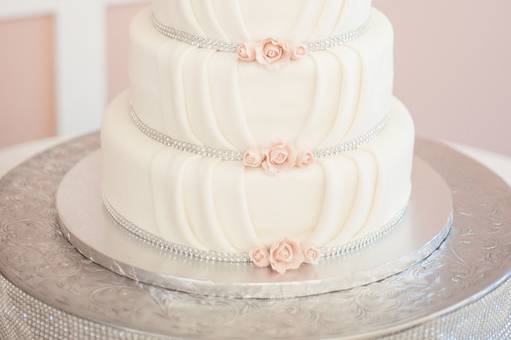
(94, 233)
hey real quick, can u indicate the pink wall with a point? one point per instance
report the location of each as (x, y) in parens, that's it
(452, 69)
(27, 81)
(118, 46)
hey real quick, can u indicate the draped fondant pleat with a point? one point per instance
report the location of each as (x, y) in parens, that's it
(205, 16)
(304, 27)
(228, 105)
(340, 15)
(185, 17)
(158, 195)
(324, 109)
(349, 65)
(164, 88)
(180, 125)
(358, 95)
(374, 193)
(329, 17)
(363, 200)
(231, 17)
(200, 205)
(337, 195)
(167, 177)
(231, 203)
(198, 99)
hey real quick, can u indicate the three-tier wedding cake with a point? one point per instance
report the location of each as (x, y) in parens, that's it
(259, 131)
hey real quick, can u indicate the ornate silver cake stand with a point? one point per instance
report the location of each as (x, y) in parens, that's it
(50, 291)
(98, 237)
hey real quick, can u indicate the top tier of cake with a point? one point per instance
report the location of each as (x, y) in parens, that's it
(243, 20)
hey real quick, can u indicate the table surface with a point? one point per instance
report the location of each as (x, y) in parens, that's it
(12, 156)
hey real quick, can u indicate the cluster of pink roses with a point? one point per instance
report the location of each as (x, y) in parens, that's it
(270, 52)
(284, 255)
(279, 157)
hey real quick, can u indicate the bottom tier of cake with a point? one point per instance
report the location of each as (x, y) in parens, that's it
(215, 205)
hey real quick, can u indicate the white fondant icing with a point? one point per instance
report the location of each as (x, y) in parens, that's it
(216, 205)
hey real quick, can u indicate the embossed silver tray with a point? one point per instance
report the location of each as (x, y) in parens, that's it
(98, 237)
(49, 291)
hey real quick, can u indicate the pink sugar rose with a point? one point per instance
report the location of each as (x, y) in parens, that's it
(298, 51)
(246, 52)
(279, 157)
(311, 254)
(260, 257)
(252, 159)
(286, 255)
(305, 159)
(270, 51)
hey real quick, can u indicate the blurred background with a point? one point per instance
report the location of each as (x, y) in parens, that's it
(62, 61)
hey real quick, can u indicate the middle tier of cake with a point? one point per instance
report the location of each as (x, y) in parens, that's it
(207, 97)
(218, 205)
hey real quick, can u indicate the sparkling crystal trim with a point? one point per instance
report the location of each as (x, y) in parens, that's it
(234, 155)
(165, 246)
(200, 41)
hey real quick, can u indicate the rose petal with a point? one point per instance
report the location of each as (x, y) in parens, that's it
(298, 257)
(311, 254)
(252, 159)
(279, 267)
(260, 257)
(246, 52)
(279, 157)
(272, 52)
(298, 51)
(305, 159)
(281, 263)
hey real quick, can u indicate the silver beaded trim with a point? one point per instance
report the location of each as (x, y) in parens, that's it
(200, 41)
(165, 246)
(352, 144)
(171, 247)
(354, 246)
(234, 155)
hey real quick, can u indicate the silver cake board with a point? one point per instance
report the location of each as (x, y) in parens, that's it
(95, 234)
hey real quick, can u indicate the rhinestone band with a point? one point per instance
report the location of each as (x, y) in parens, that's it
(234, 155)
(337, 40)
(200, 41)
(354, 143)
(165, 246)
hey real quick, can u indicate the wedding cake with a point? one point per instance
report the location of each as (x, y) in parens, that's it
(260, 131)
